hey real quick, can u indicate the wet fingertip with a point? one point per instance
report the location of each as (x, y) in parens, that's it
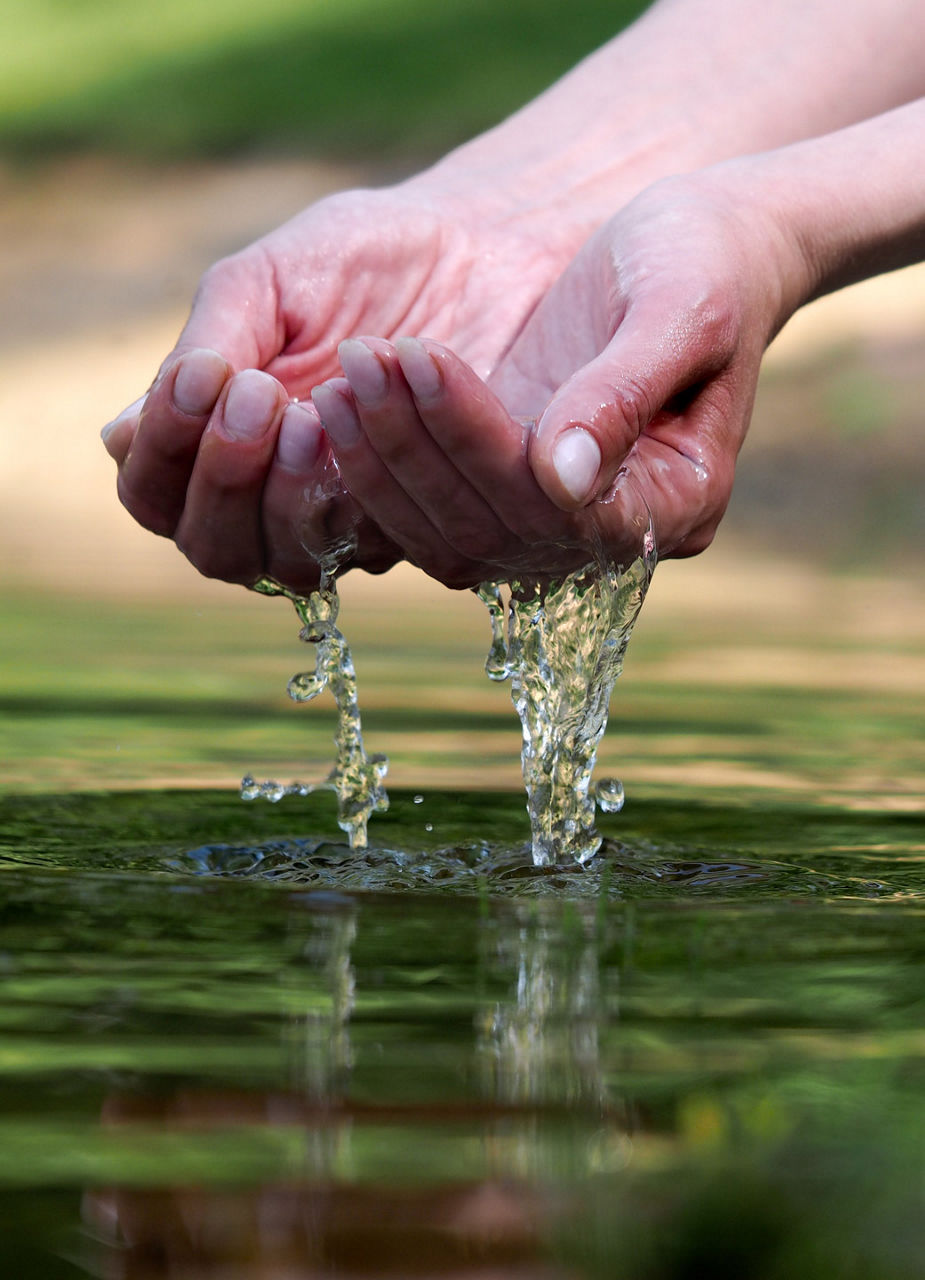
(301, 438)
(365, 372)
(117, 435)
(127, 415)
(198, 381)
(251, 405)
(338, 416)
(576, 462)
(422, 373)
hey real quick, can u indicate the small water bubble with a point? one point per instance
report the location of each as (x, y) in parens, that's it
(428, 826)
(418, 800)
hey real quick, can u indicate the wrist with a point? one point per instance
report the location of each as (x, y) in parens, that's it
(841, 207)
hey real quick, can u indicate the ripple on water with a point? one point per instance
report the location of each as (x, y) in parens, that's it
(619, 871)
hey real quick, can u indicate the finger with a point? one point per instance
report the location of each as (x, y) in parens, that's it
(117, 435)
(656, 355)
(162, 443)
(220, 530)
(487, 445)
(684, 500)
(236, 311)
(307, 512)
(423, 468)
(380, 495)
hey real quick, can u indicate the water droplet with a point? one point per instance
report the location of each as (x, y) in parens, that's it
(418, 800)
(610, 795)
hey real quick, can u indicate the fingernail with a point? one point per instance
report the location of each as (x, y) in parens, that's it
(300, 438)
(338, 416)
(251, 405)
(364, 371)
(126, 415)
(420, 369)
(199, 378)
(576, 458)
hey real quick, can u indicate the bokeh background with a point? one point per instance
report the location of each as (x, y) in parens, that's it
(137, 144)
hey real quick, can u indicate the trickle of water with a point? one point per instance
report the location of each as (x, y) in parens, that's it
(563, 651)
(357, 779)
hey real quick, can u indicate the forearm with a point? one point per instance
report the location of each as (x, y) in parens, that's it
(692, 83)
(841, 207)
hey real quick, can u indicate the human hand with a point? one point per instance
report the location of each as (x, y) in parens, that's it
(640, 365)
(216, 456)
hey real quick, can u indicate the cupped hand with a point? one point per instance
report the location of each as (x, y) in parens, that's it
(217, 457)
(640, 367)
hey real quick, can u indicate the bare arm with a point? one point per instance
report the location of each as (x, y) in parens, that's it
(724, 257)
(692, 83)
(469, 252)
(641, 362)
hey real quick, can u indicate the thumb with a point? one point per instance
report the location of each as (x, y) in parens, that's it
(234, 313)
(595, 418)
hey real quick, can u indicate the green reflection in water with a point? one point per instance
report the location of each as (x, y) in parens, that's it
(230, 1046)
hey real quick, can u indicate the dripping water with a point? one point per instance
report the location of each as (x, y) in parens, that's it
(563, 650)
(357, 779)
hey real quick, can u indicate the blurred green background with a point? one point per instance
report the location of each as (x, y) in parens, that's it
(192, 77)
(137, 144)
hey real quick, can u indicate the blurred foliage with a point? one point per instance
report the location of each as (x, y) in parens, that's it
(190, 77)
(107, 694)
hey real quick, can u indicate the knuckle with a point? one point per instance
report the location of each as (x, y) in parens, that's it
(635, 404)
(487, 545)
(694, 543)
(216, 560)
(712, 323)
(152, 512)
(454, 572)
(222, 272)
(396, 450)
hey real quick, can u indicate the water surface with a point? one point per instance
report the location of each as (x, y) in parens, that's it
(230, 1046)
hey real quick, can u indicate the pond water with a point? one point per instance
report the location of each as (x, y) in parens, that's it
(230, 1047)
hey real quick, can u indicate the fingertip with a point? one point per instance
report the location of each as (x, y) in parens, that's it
(198, 378)
(117, 435)
(333, 401)
(251, 406)
(301, 438)
(568, 468)
(421, 370)
(365, 371)
(576, 462)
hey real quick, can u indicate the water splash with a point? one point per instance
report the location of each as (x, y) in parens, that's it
(357, 779)
(562, 652)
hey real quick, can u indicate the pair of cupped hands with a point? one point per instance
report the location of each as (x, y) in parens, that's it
(399, 375)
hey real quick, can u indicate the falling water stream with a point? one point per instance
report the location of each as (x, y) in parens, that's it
(357, 778)
(562, 649)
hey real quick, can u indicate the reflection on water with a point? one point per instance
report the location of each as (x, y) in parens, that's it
(278, 1058)
(541, 1043)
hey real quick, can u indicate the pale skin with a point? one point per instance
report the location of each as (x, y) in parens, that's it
(521, 364)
